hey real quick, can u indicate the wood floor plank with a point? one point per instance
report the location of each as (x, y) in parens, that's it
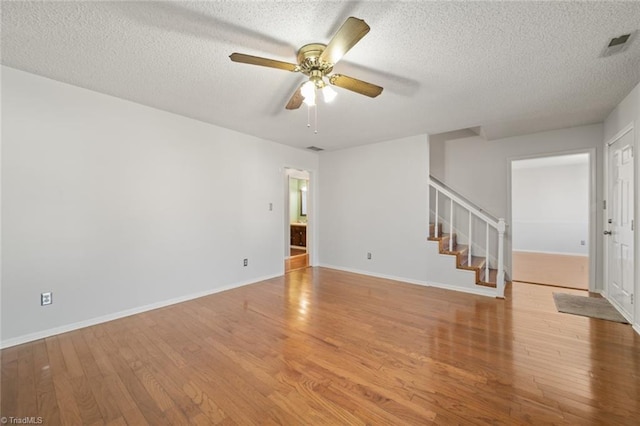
(45, 389)
(85, 400)
(72, 362)
(10, 383)
(66, 399)
(320, 346)
(125, 366)
(27, 392)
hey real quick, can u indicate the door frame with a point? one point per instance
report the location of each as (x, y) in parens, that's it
(592, 207)
(626, 129)
(311, 213)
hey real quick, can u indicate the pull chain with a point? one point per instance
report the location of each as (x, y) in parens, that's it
(316, 113)
(315, 118)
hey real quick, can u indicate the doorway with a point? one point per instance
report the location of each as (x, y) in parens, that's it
(551, 221)
(297, 219)
(619, 226)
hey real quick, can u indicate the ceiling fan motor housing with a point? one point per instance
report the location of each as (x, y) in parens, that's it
(310, 63)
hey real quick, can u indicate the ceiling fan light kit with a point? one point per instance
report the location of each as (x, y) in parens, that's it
(308, 92)
(316, 60)
(328, 94)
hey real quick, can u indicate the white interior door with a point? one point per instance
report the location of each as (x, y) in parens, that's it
(620, 214)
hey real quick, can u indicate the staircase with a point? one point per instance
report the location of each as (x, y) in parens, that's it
(472, 236)
(463, 259)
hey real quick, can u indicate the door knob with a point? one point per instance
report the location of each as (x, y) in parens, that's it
(607, 232)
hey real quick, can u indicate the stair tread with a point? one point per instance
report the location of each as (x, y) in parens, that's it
(457, 249)
(492, 281)
(476, 262)
(442, 235)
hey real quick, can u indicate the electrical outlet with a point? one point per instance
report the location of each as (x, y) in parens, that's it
(46, 298)
(246, 262)
(270, 207)
(368, 256)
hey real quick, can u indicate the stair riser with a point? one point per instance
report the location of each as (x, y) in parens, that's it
(432, 228)
(461, 254)
(444, 243)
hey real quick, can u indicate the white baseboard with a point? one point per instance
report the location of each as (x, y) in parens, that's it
(556, 253)
(636, 327)
(374, 274)
(481, 291)
(620, 310)
(121, 314)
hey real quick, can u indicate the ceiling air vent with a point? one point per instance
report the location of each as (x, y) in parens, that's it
(315, 148)
(618, 44)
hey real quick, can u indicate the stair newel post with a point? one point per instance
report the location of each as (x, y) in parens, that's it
(500, 278)
(486, 254)
(435, 232)
(470, 241)
(450, 224)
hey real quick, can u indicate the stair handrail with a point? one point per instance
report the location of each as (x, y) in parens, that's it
(498, 223)
(479, 212)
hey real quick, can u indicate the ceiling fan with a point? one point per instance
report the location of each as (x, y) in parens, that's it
(316, 60)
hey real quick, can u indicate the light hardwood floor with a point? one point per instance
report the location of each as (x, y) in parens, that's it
(296, 262)
(319, 346)
(553, 269)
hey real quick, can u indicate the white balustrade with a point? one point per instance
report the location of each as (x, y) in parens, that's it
(437, 218)
(486, 254)
(470, 239)
(451, 225)
(474, 212)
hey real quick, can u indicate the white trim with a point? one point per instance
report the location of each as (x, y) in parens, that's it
(477, 291)
(454, 198)
(605, 247)
(636, 327)
(558, 253)
(312, 223)
(374, 274)
(593, 220)
(620, 309)
(545, 222)
(626, 129)
(593, 205)
(121, 314)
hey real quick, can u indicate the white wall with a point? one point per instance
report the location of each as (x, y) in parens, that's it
(479, 170)
(628, 112)
(117, 207)
(374, 199)
(550, 205)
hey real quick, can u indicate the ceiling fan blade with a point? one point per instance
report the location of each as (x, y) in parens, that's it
(355, 85)
(263, 62)
(296, 99)
(347, 36)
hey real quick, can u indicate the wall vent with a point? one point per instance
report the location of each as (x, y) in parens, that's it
(618, 44)
(315, 148)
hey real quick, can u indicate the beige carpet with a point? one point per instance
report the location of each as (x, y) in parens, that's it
(594, 307)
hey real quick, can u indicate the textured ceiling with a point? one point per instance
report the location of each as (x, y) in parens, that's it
(507, 68)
